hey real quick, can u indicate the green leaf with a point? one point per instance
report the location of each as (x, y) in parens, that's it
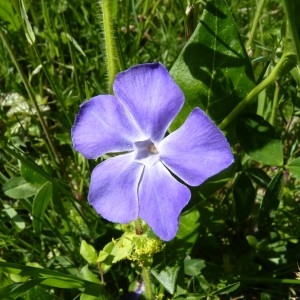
(66, 36)
(17, 220)
(88, 275)
(88, 252)
(252, 241)
(18, 188)
(103, 254)
(193, 267)
(188, 226)
(259, 139)
(122, 248)
(13, 291)
(167, 277)
(8, 14)
(259, 176)
(270, 202)
(28, 29)
(213, 69)
(31, 175)
(294, 167)
(227, 289)
(89, 297)
(51, 278)
(38, 293)
(244, 196)
(39, 206)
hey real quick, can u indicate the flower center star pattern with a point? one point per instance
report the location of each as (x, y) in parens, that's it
(139, 183)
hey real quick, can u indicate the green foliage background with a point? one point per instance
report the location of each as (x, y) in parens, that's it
(238, 237)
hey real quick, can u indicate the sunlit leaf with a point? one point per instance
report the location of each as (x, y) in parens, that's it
(88, 252)
(122, 248)
(189, 223)
(294, 167)
(50, 278)
(13, 291)
(88, 275)
(213, 69)
(7, 14)
(167, 277)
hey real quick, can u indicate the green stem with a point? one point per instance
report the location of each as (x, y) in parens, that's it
(270, 280)
(31, 96)
(145, 25)
(275, 103)
(113, 61)
(289, 60)
(291, 9)
(285, 64)
(147, 282)
(254, 25)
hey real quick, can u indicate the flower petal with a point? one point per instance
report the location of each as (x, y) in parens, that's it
(197, 150)
(103, 125)
(113, 188)
(152, 97)
(161, 199)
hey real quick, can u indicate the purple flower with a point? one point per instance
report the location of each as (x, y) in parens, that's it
(139, 181)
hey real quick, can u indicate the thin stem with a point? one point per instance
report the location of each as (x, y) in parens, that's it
(254, 26)
(270, 280)
(288, 60)
(147, 282)
(275, 103)
(31, 95)
(285, 64)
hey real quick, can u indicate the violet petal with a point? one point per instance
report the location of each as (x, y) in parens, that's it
(152, 97)
(197, 150)
(161, 199)
(103, 125)
(113, 188)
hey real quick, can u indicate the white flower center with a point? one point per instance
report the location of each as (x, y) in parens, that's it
(146, 152)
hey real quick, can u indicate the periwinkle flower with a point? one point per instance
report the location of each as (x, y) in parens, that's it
(139, 181)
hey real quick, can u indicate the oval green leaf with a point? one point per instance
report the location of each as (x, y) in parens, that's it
(88, 252)
(259, 139)
(18, 188)
(213, 69)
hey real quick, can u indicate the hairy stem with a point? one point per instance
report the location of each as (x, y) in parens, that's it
(113, 60)
(147, 282)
